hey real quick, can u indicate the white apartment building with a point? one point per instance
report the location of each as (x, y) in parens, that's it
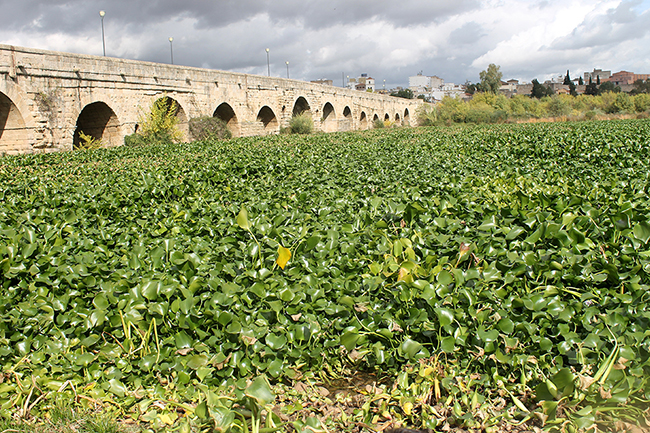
(421, 83)
(362, 83)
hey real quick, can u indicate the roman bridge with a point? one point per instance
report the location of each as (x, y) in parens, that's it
(47, 98)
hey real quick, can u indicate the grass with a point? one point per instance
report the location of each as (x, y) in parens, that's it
(64, 418)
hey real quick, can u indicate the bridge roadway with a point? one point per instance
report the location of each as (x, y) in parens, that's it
(47, 98)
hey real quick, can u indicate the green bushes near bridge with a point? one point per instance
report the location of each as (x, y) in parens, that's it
(300, 124)
(209, 128)
(159, 126)
(491, 108)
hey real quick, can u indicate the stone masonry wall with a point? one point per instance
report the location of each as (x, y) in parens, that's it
(46, 96)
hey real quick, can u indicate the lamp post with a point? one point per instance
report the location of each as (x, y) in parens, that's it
(287, 69)
(171, 48)
(101, 14)
(268, 62)
(384, 84)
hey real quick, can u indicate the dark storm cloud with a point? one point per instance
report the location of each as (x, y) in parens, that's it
(74, 16)
(391, 40)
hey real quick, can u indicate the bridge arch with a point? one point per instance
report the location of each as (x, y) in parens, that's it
(179, 112)
(301, 106)
(398, 121)
(328, 121)
(407, 117)
(375, 118)
(387, 117)
(363, 121)
(99, 121)
(14, 135)
(226, 113)
(345, 123)
(268, 120)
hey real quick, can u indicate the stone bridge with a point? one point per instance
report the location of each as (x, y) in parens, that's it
(47, 98)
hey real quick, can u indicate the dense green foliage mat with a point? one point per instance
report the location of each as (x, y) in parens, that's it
(515, 257)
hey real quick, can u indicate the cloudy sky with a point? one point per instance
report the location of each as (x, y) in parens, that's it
(388, 39)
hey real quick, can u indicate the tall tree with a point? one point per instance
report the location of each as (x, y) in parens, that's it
(470, 87)
(598, 80)
(608, 86)
(641, 86)
(591, 88)
(404, 93)
(581, 82)
(490, 79)
(567, 79)
(539, 90)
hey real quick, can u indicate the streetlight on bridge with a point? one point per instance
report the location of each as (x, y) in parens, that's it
(268, 62)
(101, 14)
(171, 48)
(287, 69)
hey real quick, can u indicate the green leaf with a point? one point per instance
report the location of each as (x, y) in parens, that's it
(349, 339)
(117, 387)
(260, 391)
(445, 316)
(276, 342)
(448, 344)
(242, 219)
(201, 410)
(410, 348)
(197, 361)
(642, 231)
(445, 278)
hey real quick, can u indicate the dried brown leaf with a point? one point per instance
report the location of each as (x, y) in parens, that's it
(586, 381)
(604, 394)
(620, 365)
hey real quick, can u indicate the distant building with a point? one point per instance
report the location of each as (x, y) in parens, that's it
(324, 82)
(421, 84)
(433, 88)
(604, 75)
(509, 86)
(625, 77)
(362, 83)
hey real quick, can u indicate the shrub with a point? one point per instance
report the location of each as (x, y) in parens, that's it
(496, 101)
(88, 142)
(608, 101)
(479, 113)
(452, 110)
(622, 103)
(161, 122)
(641, 102)
(427, 115)
(378, 124)
(159, 126)
(209, 128)
(557, 105)
(135, 140)
(301, 124)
